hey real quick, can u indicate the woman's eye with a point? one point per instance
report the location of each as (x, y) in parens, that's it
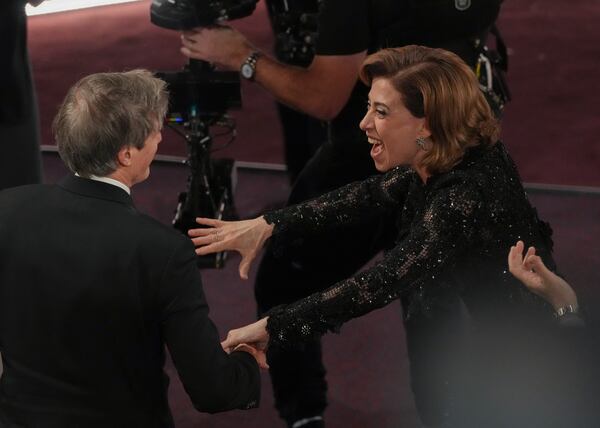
(378, 111)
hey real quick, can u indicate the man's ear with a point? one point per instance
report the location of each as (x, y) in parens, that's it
(124, 156)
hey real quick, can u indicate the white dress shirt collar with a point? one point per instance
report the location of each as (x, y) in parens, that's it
(109, 181)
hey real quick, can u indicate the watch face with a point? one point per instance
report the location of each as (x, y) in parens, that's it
(247, 71)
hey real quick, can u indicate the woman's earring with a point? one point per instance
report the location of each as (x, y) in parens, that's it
(421, 143)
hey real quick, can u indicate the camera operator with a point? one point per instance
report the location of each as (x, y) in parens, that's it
(19, 129)
(328, 90)
(294, 26)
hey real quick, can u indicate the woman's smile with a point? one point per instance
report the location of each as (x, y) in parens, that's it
(377, 146)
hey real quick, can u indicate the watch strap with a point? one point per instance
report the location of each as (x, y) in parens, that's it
(250, 62)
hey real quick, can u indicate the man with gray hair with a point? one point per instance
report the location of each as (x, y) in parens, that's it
(91, 289)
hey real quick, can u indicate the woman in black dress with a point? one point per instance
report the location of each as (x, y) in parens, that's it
(459, 205)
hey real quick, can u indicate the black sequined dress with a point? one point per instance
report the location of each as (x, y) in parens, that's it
(453, 231)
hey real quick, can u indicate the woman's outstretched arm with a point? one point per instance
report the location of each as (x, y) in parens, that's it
(447, 230)
(354, 203)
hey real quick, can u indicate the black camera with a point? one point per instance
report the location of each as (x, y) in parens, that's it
(200, 91)
(188, 14)
(200, 97)
(295, 26)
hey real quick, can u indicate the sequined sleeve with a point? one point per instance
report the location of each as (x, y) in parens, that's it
(351, 204)
(447, 229)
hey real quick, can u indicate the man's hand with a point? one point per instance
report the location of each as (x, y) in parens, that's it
(260, 355)
(532, 272)
(220, 45)
(246, 237)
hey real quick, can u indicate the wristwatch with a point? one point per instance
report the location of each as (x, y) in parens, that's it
(248, 68)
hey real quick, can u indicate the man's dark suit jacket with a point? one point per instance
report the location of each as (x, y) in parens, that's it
(90, 291)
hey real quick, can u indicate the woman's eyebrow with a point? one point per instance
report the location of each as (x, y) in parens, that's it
(380, 104)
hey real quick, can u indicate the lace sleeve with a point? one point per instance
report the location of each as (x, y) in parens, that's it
(348, 205)
(445, 230)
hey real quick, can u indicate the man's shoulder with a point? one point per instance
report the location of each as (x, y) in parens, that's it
(152, 236)
(158, 229)
(28, 192)
(26, 188)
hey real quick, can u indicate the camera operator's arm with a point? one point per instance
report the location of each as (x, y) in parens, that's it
(321, 90)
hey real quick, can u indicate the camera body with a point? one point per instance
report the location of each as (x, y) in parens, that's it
(188, 14)
(295, 26)
(200, 91)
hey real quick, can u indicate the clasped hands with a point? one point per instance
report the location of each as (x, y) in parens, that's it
(246, 237)
(252, 338)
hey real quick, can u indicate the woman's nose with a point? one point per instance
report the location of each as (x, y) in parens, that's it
(365, 122)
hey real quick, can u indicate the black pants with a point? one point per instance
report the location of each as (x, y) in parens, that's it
(302, 137)
(435, 339)
(298, 376)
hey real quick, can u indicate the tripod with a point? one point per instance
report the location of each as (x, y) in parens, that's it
(209, 191)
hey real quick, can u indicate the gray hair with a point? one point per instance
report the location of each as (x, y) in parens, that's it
(104, 112)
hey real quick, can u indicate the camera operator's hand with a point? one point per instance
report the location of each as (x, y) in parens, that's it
(321, 90)
(220, 45)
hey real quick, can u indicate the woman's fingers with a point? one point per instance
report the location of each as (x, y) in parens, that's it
(530, 252)
(538, 265)
(209, 221)
(245, 264)
(515, 259)
(203, 240)
(215, 247)
(214, 226)
(201, 231)
(231, 341)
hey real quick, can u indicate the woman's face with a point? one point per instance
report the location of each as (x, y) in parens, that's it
(391, 129)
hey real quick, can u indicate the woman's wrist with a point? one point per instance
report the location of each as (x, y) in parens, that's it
(565, 310)
(564, 300)
(565, 304)
(266, 226)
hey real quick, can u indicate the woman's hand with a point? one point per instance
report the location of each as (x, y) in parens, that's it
(254, 335)
(532, 272)
(246, 237)
(260, 355)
